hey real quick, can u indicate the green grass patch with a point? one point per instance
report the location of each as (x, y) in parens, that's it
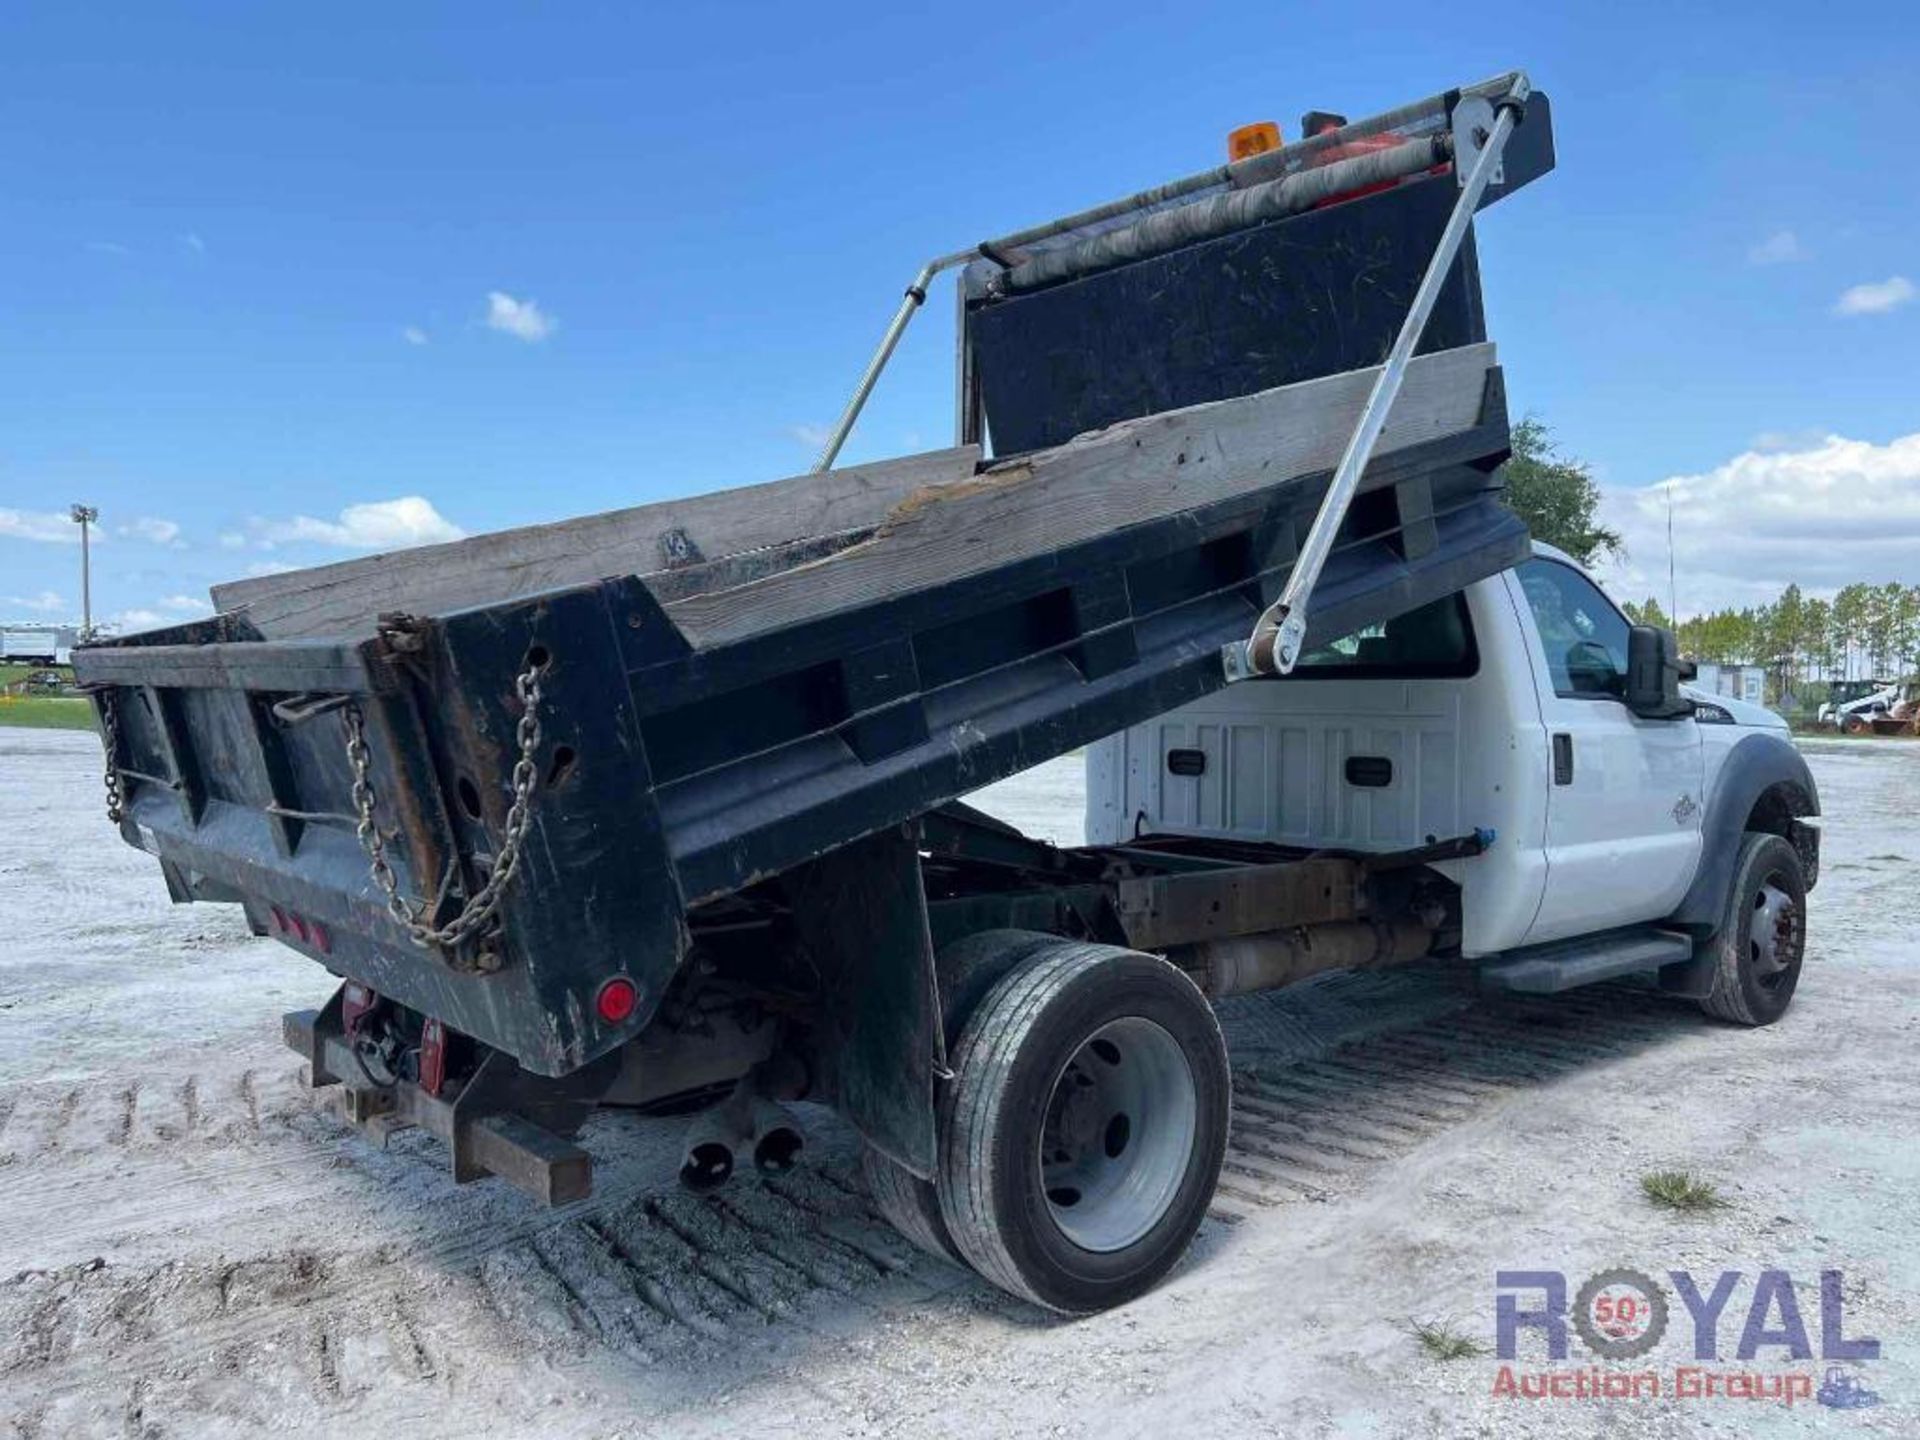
(1681, 1190)
(1441, 1341)
(46, 712)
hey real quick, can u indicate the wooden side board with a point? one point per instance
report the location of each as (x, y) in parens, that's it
(436, 579)
(849, 537)
(1136, 471)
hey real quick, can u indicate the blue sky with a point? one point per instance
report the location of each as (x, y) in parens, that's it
(249, 256)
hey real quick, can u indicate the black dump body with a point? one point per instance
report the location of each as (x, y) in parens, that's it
(730, 690)
(1315, 294)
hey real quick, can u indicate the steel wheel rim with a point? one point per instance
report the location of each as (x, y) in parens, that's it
(1773, 934)
(1118, 1134)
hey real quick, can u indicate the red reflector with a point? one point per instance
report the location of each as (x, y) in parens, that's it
(299, 926)
(433, 1056)
(616, 1000)
(279, 918)
(355, 1001)
(322, 941)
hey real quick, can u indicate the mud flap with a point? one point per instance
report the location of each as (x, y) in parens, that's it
(861, 915)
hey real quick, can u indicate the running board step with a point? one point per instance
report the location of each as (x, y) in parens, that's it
(1585, 960)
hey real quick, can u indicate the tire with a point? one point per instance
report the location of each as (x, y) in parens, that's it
(910, 1205)
(1761, 943)
(1856, 725)
(1112, 1062)
(967, 969)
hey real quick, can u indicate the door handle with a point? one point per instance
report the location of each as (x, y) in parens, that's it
(1562, 758)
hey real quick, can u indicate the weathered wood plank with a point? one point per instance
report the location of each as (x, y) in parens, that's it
(1133, 472)
(435, 579)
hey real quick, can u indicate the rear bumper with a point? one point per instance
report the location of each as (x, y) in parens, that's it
(482, 1121)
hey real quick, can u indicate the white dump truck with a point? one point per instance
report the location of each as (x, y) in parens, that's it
(662, 808)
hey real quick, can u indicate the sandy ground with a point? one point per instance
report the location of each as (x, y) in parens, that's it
(190, 1244)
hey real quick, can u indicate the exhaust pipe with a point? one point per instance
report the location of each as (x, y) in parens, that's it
(714, 1139)
(777, 1138)
(748, 1122)
(709, 1160)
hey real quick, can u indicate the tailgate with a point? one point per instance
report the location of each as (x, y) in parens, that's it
(234, 767)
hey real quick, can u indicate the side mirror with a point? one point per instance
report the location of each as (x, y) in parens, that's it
(1653, 674)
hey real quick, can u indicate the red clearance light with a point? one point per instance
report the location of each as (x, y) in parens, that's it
(307, 932)
(616, 1000)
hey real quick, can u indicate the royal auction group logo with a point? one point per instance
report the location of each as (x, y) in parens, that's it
(1623, 1315)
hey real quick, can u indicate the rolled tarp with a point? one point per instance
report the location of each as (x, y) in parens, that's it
(1222, 213)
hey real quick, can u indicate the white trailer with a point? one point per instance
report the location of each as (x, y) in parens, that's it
(30, 647)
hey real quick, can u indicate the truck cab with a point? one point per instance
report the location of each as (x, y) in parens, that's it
(1503, 709)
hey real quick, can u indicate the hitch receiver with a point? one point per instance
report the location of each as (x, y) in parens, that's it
(483, 1127)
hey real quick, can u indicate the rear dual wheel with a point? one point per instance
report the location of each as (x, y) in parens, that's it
(1081, 1136)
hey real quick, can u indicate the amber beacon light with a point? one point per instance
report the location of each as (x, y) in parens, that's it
(1254, 139)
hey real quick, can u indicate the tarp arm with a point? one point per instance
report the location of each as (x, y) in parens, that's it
(1481, 131)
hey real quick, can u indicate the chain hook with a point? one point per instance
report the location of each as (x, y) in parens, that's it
(481, 908)
(110, 723)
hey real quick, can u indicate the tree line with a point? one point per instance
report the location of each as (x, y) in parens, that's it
(1864, 632)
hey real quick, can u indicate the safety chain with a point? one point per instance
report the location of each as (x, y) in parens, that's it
(110, 719)
(480, 909)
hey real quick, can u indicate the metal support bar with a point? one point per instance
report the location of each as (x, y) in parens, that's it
(1279, 633)
(915, 297)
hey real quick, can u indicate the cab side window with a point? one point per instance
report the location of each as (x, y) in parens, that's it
(1432, 642)
(1584, 636)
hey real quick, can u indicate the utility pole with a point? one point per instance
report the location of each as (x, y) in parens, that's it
(84, 516)
(1673, 591)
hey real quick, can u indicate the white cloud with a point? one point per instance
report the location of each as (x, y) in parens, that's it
(522, 319)
(414, 335)
(191, 241)
(46, 602)
(375, 525)
(268, 567)
(185, 605)
(107, 247)
(809, 435)
(232, 540)
(136, 619)
(1787, 440)
(1782, 247)
(1822, 516)
(1876, 298)
(55, 527)
(159, 532)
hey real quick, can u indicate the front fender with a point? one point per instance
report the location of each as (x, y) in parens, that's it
(1756, 765)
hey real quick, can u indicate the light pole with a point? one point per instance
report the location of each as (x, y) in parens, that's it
(84, 516)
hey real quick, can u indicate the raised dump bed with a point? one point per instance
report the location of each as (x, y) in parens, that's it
(625, 807)
(818, 660)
